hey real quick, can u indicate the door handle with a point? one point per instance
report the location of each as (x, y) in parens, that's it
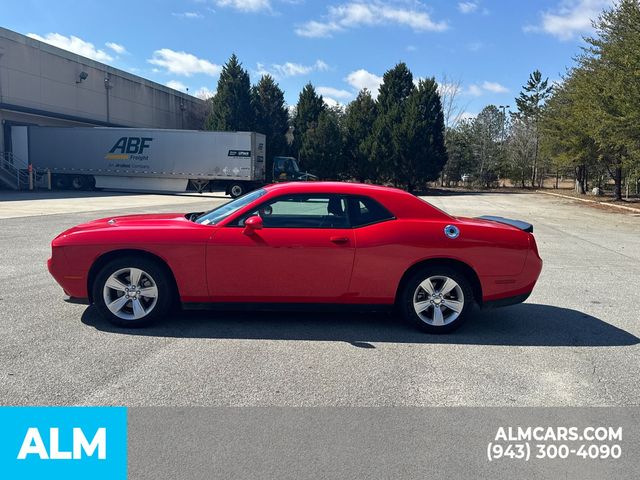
(339, 240)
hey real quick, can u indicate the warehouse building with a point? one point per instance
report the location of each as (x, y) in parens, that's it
(44, 85)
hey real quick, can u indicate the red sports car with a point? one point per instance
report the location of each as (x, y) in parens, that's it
(301, 244)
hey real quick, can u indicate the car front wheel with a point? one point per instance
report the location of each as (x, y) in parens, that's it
(437, 299)
(132, 292)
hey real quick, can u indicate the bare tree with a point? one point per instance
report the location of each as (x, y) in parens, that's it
(450, 90)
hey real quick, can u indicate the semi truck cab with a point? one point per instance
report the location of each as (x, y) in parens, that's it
(285, 169)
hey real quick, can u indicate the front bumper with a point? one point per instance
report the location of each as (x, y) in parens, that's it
(73, 284)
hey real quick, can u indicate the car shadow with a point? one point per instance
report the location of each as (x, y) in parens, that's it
(521, 325)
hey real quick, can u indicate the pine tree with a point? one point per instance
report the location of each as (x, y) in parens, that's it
(359, 118)
(486, 141)
(424, 152)
(388, 145)
(231, 106)
(530, 103)
(271, 118)
(310, 106)
(397, 85)
(322, 146)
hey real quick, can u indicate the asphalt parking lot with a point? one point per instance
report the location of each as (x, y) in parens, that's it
(575, 342)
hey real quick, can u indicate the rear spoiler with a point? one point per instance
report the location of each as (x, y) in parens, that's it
(527, 227)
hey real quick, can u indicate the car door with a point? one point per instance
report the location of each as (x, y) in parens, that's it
(303, 253)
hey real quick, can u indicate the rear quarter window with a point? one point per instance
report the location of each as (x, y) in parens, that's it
(367, 211)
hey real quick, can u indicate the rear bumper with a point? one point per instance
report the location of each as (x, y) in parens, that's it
(505, 302)
(76, 300)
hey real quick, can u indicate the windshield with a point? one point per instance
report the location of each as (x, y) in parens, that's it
(293, 165)
(218, 214)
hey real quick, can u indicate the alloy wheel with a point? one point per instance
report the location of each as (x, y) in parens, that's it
(438, 300)
(130, 293)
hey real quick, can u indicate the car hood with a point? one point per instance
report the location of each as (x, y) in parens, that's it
(131, 221)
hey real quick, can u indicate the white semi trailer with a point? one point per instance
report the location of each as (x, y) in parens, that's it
(140, 159)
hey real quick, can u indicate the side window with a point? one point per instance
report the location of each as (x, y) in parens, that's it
(365, 211)
(303, 211)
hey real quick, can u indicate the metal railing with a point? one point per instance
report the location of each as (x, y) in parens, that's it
(13, 171)
(17, 174)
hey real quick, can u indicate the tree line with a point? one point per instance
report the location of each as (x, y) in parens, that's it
(586, 125)
(397, 138)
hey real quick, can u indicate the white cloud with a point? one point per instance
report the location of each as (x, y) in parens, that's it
(203, 93)
(188, 15)
(358, 13)
(334, 92)
(467, 7)
(116, 47)
(183, 63)
(73, 44)
(246, 5)
(331, 102)
(291, 69)
(494, 87)
(176, 85)
(360, 79)
(476, 90)
(570, 18)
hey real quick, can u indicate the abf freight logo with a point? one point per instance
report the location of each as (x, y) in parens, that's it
(63, 442)
(129, 148)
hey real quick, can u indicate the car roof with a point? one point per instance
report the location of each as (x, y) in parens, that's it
(402, 204)
(330, 187)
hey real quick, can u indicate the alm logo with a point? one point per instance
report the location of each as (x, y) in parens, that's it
(34, 445)
(63, 442)
(129, 148)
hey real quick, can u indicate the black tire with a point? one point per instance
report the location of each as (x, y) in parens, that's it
(237, 189)
(437, 273)
(78, 182)
(153, 273)
(61, 181)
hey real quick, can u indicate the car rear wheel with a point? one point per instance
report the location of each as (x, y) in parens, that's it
(437, 299)
(132, 292)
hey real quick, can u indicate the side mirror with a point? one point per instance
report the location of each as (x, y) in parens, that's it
(252, 224)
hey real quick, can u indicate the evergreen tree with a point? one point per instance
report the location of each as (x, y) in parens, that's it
(530, 103)
(231, 106)
(594, 116)
(359, 118)
(271, 118)
(389, 142)
(486, 143)
(423, 149)
(459, 152)
(322, 146)
(397, 85)
(310, 106)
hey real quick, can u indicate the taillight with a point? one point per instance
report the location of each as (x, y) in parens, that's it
(533, 245)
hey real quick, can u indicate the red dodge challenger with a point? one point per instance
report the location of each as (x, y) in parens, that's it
(301, 243)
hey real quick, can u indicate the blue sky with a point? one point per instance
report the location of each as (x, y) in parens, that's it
(488, 47)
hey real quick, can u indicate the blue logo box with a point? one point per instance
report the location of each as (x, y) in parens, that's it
(63, 442)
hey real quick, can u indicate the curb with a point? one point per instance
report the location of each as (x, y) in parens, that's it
(637, 210)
